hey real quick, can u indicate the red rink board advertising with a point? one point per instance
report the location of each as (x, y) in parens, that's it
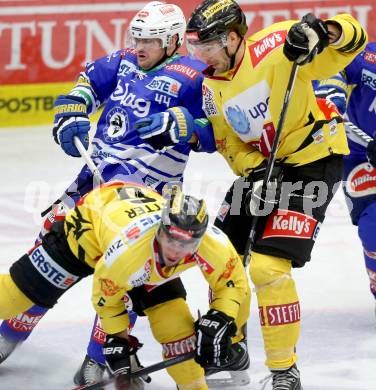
(45, 44)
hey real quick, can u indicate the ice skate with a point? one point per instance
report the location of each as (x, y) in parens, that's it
(89, 372)
(7, 346)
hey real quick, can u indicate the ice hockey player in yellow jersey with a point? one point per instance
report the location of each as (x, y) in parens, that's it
(243, 94)
(137, 242)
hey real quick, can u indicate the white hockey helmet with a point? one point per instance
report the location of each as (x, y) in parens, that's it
(159, 20)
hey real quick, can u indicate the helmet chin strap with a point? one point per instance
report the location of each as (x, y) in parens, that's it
(232, 57)
(166, 56)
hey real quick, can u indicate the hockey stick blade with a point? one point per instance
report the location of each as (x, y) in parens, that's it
(236, 379)
(140, 372)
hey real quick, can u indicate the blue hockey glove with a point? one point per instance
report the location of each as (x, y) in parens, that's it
(167, 128)
(306, 39)
(71, 121)
(371, 152)
(334, 90)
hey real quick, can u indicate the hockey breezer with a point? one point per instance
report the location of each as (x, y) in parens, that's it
(117, 380)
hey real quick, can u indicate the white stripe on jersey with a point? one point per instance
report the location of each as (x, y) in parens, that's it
(169, 168)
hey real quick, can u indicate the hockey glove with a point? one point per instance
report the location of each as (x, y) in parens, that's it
(166, 128)
(71, 121)
(259, 200)
(306, 39)
(371, 152)
(334, 90)
(214, 331)
(121, 358)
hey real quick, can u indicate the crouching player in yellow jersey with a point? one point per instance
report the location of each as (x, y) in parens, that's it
(137, 244)
(243, 94)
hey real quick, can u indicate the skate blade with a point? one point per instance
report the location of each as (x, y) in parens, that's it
(225, 379)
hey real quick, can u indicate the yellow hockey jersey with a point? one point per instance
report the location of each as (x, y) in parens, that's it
(244, 104)
(113, 230)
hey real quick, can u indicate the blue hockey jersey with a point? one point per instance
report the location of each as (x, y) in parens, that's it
(361, 107)
(129, 93)
(356, 88)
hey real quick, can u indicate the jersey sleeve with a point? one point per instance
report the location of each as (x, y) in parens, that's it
(98, 81)
(337, 56)
(108, 299)
(192, 100)
(224, 271)
(241, 156)
(353, 71)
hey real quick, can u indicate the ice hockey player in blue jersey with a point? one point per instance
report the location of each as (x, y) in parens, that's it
(356, 86)
(147, 77)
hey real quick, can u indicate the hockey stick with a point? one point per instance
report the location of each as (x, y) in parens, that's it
(140, 372)
(359, 133)
(272, 158)
(88, 160)
(98, 179)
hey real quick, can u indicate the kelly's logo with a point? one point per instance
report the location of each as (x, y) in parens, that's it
(260, 49)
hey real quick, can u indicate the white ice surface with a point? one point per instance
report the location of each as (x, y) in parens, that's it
(337, 347)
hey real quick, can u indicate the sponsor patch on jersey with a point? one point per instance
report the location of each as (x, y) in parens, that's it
(369, 78)
(361, 181)
(289, 224)
(123, 94)
(283, 314)
(179, 347)
(24, 322)
(185, 70)
(116, 248)
(117, 124)
(318, 136)
(108, 287)
(247, 112)
(126, 67)
(166, 85)
(370, 56)
(134, 231)
(141, 276)
(203, 264)
(333, 127)
(208, 102)
(260, 49)
(51, 270)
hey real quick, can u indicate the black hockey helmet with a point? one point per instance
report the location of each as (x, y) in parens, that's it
(184, 218)
(213, 18)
